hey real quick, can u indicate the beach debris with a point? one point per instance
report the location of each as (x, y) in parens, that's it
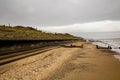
(99, 47)
(73, 46)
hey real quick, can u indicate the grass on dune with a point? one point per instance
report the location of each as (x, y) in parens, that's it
(20, 32)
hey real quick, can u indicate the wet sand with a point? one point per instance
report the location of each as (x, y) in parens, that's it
(86, 63)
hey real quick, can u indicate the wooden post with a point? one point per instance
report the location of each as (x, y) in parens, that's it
(97, 46)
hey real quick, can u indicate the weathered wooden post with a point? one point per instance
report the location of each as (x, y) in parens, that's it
(97, 46)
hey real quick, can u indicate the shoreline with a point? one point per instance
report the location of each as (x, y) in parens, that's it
(65, 64)
(117, 53)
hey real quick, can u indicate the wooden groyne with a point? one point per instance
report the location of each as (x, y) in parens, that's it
(73, 46)
(99, 47)
(10, 46)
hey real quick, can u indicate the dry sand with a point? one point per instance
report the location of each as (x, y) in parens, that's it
(86, 63)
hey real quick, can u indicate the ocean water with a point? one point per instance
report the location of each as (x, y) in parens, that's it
(113, 42)
(105, 39)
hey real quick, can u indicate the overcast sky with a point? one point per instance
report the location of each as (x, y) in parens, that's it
(84, 15)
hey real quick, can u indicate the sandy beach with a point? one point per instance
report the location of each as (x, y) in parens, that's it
(87, 63)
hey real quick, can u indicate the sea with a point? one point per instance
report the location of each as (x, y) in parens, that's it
(114, 43)
(106, 39)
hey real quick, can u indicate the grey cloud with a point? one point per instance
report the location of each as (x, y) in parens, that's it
(57, 12)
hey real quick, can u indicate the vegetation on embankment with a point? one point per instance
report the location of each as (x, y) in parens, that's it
(29, 33)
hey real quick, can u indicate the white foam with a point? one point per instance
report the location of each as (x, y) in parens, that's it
(114, 43)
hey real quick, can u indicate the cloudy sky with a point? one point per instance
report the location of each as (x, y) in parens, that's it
(63, 15)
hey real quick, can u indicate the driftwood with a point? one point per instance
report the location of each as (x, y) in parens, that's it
(99, 47)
